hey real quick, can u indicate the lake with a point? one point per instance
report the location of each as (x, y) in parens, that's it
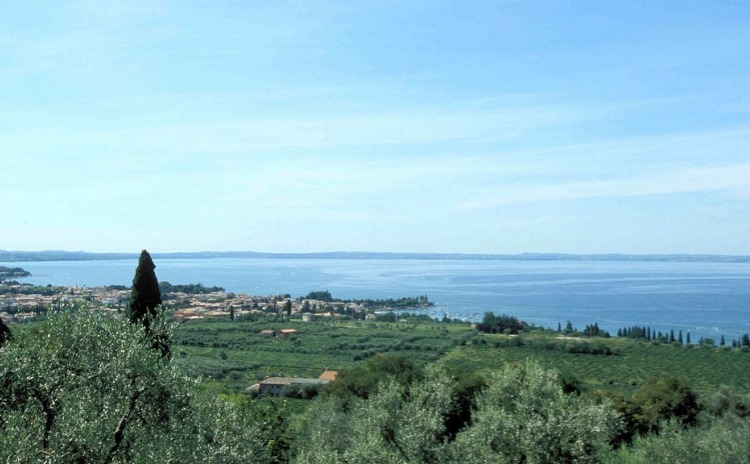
(706, 298)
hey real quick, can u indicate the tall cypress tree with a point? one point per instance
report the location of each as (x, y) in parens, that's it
(144, 298)
(288, 308)
(145, 295)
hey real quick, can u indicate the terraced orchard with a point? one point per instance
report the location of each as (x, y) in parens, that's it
(236, 353)
(608, 363)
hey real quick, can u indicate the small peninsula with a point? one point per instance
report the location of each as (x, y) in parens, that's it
(7, 273)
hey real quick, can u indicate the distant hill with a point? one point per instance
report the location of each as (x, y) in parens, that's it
(57, 255)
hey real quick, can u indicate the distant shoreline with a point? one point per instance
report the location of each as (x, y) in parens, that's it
(54, 255)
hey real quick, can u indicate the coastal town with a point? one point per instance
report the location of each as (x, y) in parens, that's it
(18, 307)
(20, 302)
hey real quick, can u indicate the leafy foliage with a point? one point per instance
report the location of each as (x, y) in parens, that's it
(76, 386)
(663, 398)
(393, 303)
(362, 381)
(397, 424)
(593, 330)
(522, 416)
(165, 288)
(727, 401)
(5, 333)
(321, 295)
(86, 387)
(500, 324)
(722, 442)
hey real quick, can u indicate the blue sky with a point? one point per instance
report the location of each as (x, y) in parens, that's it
(478, 127)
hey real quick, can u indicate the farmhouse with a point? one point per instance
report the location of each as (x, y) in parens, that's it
(275, 386)
(329, 375)
(283, 333)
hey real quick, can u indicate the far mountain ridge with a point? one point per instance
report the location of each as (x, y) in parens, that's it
(60, 255)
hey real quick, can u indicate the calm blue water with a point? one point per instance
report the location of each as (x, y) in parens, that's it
(708, 299)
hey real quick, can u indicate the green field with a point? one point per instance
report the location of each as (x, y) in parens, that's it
(235, 354)
(704, 368)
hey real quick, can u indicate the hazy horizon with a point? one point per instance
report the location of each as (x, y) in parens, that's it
(49, 255)
(403, 127)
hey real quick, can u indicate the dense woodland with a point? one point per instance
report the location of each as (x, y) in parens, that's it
(84, 385)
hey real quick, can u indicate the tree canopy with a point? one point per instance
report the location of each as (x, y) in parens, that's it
(522, 415)
(500, 324)
(663, 398)
(86, 387)
(5, 333)
(362, 381)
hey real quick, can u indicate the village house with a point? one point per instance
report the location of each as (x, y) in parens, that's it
(182, 315)
(216, 314)
(276, 386)
(284, 333)
(329, 375)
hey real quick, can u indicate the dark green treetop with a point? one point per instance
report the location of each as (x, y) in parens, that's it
(5, 333)
(288, 308)
(145, 295)
(321, 295)
(663, 398)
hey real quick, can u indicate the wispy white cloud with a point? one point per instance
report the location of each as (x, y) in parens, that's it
(733, 179)
(86, 38)
(249, 135)
(372, 117)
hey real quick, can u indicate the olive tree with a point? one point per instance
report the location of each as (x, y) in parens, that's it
(663, 398)
(521, 415)
(723, 441)
(393, 425)
(525, 416)
(85, 386)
